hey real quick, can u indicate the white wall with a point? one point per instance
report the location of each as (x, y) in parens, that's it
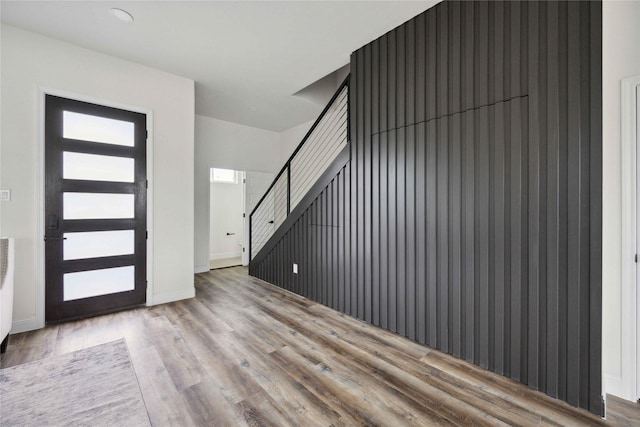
(227, 145)
(30, 62)
(226, 201)
(621, 59)
(290, 138)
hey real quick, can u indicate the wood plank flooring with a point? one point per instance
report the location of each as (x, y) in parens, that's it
(244, 352)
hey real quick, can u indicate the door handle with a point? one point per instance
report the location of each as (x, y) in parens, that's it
(46, 238)
(230, 234)
(271, 222)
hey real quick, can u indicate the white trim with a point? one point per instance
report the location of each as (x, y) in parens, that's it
(42, 91)
(39, 194)
(613, 384)
(172, 296)
(225, 255)
(628, 291)
(24, 325)
(201, 269)
(151, 186)
(637, 282)
(245, 221)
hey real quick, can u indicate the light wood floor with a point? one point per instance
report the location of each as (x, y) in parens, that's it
(244, 352)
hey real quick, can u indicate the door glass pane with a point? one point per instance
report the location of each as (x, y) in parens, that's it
(97, 168)
(96, 244)
(97, 206)
(97, 129)
(85, 284)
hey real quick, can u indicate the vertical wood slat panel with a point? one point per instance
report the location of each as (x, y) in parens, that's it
(420, 69)
(401, 231)
(375, 183)
(410, 208)
(468, 305)
(421, 235)
(575, 194)
(324, 243)
(442, 235)
(336, 242)
(517, 193)
(432, 235)
(582, 383)
(500, 243)
(319, 285)
(392, 293)
(366, 190)
(552, 250)
(384, 230)
(375, 230)
(353, 240)
(410, 73)
(565, 168)
(410, 233)
(348, 263)
(482, 170)
(469, 212)
(594, 136)
(360, 222)
(533, 321)
(454, 230)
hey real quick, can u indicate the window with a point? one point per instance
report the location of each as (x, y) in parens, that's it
(224, 175)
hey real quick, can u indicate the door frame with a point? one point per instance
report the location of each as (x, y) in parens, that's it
(40, 191)
(245, 222)
(629, 386)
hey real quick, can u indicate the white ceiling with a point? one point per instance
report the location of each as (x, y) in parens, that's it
(247, 58)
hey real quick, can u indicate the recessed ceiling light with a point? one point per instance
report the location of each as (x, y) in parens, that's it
(122, 15)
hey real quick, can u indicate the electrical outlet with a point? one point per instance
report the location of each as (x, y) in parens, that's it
(5, 195)
(295, 268)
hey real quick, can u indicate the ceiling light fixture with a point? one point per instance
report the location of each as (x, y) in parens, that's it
(122, 15)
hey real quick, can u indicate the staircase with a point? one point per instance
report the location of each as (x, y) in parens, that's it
(321, 153)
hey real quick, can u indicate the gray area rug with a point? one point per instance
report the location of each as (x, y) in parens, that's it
(96, 386)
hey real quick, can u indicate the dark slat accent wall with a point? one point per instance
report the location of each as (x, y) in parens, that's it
(319, 243)
(469, 216)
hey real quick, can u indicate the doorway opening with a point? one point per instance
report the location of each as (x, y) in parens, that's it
(233, 194)
(226, 232)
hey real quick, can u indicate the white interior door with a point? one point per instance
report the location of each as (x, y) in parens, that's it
(256, 184)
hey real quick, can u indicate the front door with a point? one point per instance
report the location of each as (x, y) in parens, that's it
(95, 209)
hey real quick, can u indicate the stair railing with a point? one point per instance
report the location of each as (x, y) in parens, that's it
(320, 146)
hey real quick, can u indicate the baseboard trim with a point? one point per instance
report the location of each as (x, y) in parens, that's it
(201, 269)
(25, 325)
(613, 385)
(167, 297)
(224, 255)
(31, 324)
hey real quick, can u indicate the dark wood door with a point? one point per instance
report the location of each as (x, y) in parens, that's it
(95, 209)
